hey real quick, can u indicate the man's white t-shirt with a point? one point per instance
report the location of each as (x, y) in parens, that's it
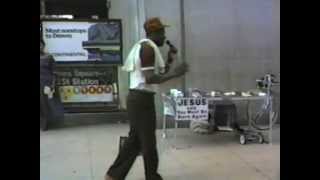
(137, 78)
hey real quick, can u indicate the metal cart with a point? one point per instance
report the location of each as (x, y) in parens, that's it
(254, 131)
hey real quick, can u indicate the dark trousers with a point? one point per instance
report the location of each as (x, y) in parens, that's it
(142, 137)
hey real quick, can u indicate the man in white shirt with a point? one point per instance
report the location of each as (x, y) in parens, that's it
(146, 70)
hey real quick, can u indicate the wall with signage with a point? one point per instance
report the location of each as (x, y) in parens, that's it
(88, 54)
(71, 40)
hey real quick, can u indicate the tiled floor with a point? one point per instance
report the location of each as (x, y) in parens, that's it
(85, 153)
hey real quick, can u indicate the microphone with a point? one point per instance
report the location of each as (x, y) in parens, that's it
(172, 47)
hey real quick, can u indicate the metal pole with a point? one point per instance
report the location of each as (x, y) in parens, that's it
(164, 128)
(42, 7)
(249, 115)
(270, 107)
(164, 118)
(175, 134)
(183, 41)
(108, 5)
(270, 121)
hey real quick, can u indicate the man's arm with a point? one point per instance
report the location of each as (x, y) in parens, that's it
(148, 58)
(152, 78)
(172, 51)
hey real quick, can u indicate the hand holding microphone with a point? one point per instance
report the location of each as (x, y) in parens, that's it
(172, 51)
(180, 69)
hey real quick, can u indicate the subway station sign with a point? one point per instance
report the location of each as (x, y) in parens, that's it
(87, 84)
